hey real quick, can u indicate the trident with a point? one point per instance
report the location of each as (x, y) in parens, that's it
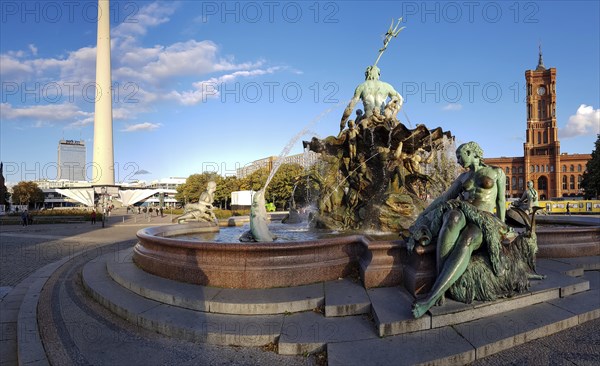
(392, 32)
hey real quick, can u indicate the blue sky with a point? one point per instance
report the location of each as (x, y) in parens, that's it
(203, 85)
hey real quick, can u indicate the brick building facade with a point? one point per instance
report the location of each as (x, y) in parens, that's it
(554, 174)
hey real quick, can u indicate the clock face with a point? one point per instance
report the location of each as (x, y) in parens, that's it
(541, 90)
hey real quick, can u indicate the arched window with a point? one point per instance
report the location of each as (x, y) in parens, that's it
(542, 183)
(521, 187)
(579, 168)
(564, 168)
(520, 170)
(514, 171)
(539, 137)
(545, 137)
(564, 182)
(572, 182)
(507, 170)
(543, 170)
(537, 168)
(572, 168)
(579, 179)
(507, 185)
(531, 169)
(552, 168)
(514, 183)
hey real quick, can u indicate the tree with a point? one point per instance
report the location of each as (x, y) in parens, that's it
(224, 188)
(591, 177)
(281, 187)
(27, 193)
(256, 180)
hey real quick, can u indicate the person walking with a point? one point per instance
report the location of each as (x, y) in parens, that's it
(93, 216)
(568, 209)
(24, 218)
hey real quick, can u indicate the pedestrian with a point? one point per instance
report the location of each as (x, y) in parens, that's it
(24, 218)
(139, 210)
(161, 212)
(568, 209)
(93, 216)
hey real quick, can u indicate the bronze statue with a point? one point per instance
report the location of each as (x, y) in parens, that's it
(462, 222)
(203, 210)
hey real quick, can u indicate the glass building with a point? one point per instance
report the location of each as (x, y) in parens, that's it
(71, 160)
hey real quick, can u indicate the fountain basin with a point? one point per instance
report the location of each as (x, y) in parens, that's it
(283, 264)
(244, 265)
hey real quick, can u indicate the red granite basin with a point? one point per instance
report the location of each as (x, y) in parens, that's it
(283, 264)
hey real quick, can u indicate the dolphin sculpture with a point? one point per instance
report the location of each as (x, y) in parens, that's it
(259, 231)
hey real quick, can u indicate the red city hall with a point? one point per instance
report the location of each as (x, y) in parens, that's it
(554, 174)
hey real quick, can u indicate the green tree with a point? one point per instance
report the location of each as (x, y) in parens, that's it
(281, 186)
(27, 193)
(225, 186)
(255, 180)
(591, 177)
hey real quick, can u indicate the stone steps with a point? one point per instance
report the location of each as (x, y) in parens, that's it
(352, 318)
(178, 322)
(344, 297)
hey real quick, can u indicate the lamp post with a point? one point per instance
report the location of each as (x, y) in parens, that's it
(103, 193)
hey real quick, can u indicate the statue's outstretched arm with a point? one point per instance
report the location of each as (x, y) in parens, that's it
(350, 108)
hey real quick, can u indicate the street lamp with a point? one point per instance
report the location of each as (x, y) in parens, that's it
(103, 193)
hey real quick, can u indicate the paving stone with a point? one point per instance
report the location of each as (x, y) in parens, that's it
(454, 312)
(29, 344)
(344, 297)
(594, 278)
(237, 330)
(444, 346)
(500, 332)
(392, 312)
(268, 301)
(588, 263)
(113, 296)
(568, 269)
(586, 305)
(4, 290)
(8, 352)
(185, 295)
(309, 332)
(566, 285)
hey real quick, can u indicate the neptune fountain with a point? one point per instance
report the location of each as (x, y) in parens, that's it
(375, 175)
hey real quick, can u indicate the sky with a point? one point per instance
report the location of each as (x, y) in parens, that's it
(213, 85)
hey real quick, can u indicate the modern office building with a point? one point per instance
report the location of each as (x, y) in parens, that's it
(306, 160)
(71, 160)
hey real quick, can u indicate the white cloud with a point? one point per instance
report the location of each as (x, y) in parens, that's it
(49, 112)
(210, 88)
(11, 67)
(452, 107)
(33, 49)
(146, 126)
(148, 16)
(143, 75)
(586, 121)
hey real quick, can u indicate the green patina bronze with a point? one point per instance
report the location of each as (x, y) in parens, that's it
(478, 256)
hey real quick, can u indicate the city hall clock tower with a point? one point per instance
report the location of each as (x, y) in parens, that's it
(542, 147)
